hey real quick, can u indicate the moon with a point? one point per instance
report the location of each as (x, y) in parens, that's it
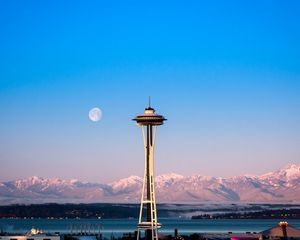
(95, 114)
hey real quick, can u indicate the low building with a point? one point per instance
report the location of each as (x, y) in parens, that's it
(282, 231)
(34, 234)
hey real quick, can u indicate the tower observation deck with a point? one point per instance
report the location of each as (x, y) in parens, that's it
(149, 224)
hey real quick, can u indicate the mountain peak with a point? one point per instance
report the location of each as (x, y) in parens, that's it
(35, 178)
(125, 182)
(293, 166)
(290, 171)
(168, 176)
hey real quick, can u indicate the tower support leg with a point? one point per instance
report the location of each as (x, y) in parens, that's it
(151, 225)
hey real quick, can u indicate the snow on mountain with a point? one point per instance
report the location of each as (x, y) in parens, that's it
(168, 177)
(282, 185)
(126, 188)
(126, 182)
(289, 173)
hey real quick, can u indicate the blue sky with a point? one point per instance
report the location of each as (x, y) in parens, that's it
(226, 74)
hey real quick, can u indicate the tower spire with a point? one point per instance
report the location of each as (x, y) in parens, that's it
(149, 224)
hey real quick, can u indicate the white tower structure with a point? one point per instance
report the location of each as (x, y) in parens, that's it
(149, 224)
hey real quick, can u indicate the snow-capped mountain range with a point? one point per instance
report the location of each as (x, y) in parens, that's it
(279, 186)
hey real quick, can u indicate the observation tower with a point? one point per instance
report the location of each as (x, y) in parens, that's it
(148, 122)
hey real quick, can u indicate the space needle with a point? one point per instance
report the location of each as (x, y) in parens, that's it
(148, 121)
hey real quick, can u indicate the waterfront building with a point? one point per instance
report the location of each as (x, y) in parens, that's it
(282, 231)
(34, 234)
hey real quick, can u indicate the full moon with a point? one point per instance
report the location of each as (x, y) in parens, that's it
(95, 114)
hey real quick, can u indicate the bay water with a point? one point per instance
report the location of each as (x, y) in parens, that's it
(116, 227)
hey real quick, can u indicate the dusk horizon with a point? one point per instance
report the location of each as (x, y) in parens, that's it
(161, 174)
(73, 76)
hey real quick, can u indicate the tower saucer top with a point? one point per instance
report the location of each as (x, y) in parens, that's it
(149, 118)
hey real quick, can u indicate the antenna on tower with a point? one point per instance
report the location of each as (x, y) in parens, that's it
(149, 102)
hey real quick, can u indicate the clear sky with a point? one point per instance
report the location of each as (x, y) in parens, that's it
(226, 74)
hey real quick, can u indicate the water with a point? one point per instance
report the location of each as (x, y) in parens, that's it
(117, 227)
